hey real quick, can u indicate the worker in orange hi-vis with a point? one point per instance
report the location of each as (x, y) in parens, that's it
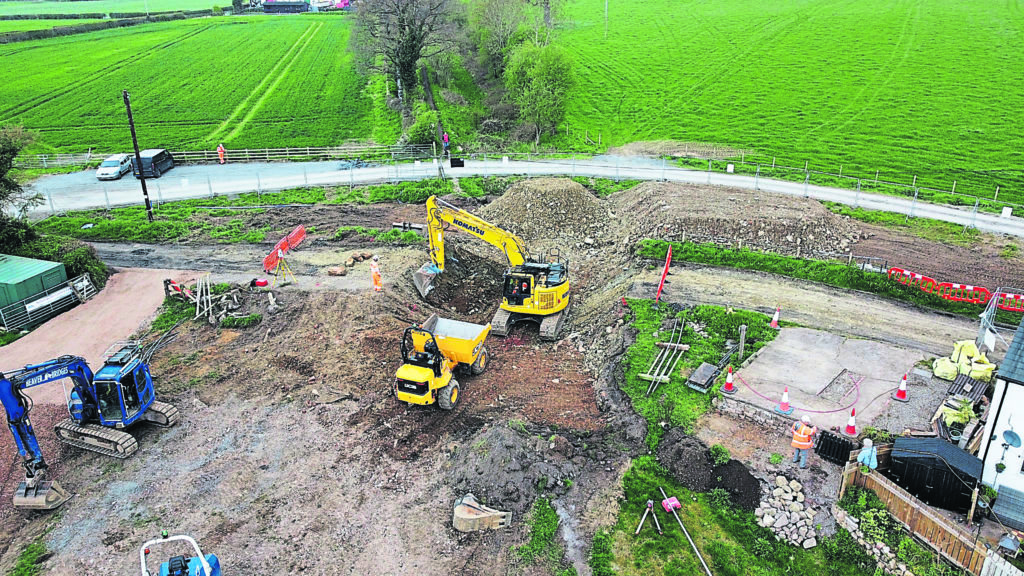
(803, 440)
(220, 152)
(375, 273)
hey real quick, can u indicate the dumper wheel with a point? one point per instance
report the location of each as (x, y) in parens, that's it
(480, 365)
(449, 395)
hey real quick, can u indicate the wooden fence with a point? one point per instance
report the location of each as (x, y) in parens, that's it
(955, 544)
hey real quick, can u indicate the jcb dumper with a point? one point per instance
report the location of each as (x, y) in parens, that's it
(432, 352)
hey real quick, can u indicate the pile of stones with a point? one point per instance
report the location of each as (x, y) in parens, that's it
(787, 514)
(886, 557)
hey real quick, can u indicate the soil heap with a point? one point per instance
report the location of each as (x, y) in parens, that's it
(689, 460)
(740, 217)
(549, 211)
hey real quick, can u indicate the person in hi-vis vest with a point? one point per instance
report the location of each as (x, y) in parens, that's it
(803, 440)
(220, 153)
(375, 273)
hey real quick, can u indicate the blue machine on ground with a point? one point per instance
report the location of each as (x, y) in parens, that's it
(198, 565)
(100, 405)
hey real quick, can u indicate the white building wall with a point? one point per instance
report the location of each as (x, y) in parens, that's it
(991, 452)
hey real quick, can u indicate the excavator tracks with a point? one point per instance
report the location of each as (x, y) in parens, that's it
(551, 326)
(106, 441)
(501, 322)
(162, 414)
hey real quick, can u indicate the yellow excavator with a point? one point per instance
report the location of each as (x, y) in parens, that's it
(532, 289)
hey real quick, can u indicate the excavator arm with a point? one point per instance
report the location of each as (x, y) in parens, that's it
(17, 404)
(440, 215)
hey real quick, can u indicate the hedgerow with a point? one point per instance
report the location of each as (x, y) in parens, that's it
(830, 273)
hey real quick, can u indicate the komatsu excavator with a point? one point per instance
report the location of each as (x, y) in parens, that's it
(100, 407)
(533, 289)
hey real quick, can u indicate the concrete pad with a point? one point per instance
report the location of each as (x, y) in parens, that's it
(812, 363)
(126, 304)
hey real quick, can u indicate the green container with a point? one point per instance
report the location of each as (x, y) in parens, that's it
(22, 278)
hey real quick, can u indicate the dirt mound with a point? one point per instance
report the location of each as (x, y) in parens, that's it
(689, 460)
(548, 209)
(508, 470)
(734, 217)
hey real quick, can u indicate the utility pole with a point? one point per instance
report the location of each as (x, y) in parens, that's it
(138, 155)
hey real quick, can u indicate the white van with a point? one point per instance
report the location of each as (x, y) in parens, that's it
(114, 167)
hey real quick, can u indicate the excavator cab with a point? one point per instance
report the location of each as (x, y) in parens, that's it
(184, 565)
(123, 388)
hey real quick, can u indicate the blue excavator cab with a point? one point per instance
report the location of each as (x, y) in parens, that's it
(197, 565)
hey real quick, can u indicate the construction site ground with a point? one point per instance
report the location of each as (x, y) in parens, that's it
(293, 455)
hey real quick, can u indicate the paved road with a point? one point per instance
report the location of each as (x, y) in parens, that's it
(81, 190)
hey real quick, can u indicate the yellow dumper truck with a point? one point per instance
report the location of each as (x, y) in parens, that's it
(431, 352)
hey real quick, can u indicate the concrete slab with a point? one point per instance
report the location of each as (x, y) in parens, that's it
(827, 376)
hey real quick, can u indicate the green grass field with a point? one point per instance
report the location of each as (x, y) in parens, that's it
(26, 25)
(105, 6)
(925, 87)
(250, 82)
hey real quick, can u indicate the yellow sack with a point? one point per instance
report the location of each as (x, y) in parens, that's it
(945, 368)
(982, 371)
(964, 349)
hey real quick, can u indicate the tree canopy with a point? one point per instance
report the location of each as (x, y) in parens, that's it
(539, 79)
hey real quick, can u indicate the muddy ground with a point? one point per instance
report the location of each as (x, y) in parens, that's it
(293, 456)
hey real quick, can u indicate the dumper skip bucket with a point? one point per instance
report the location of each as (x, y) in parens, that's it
(42, 496)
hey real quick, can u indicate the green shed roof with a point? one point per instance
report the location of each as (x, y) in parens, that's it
(15, 269)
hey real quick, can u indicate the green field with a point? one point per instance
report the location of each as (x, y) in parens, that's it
(26, 25)
(250, 82)
(927, 87)
(105, 6)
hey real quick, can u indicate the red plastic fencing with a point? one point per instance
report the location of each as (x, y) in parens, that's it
(907, 278)
(959, 292)
(964, 293)
(664, 273)
(1011, 302)
(292, 240)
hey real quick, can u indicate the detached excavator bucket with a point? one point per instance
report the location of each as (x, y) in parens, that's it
(472, 516)
(43, 496)
(424, 278)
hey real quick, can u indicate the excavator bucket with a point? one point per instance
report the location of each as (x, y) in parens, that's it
(472, 516)
(424, 278)
(42, 496)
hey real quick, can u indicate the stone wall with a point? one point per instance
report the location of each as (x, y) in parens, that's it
(881, 552)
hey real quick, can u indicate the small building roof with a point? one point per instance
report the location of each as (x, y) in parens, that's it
(1012, 367)
(938, 453)
(15, 269)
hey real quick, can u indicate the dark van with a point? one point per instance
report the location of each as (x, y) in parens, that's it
(155, 162)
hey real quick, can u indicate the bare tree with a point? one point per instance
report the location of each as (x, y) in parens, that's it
(393, 35)
(548, 6)
(495, 23)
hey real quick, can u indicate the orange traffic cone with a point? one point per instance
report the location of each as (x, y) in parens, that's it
(851, 425)
(901, 393)
(784, 407)
(728, 387)
(775, 318)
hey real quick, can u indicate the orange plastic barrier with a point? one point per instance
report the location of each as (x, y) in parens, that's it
(295, 237)
(270, 261)
(964, 293)
(906, 278)
(1010, 302)
(292, 240)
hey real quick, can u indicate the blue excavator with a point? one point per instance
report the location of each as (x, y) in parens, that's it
(101, 406)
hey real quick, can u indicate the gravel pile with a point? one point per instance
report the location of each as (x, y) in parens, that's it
(545, 209)
(792, 226)
(787, 514)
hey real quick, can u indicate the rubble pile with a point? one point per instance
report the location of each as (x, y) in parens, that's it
(792, 226)
(549, 209)
(787, 514)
